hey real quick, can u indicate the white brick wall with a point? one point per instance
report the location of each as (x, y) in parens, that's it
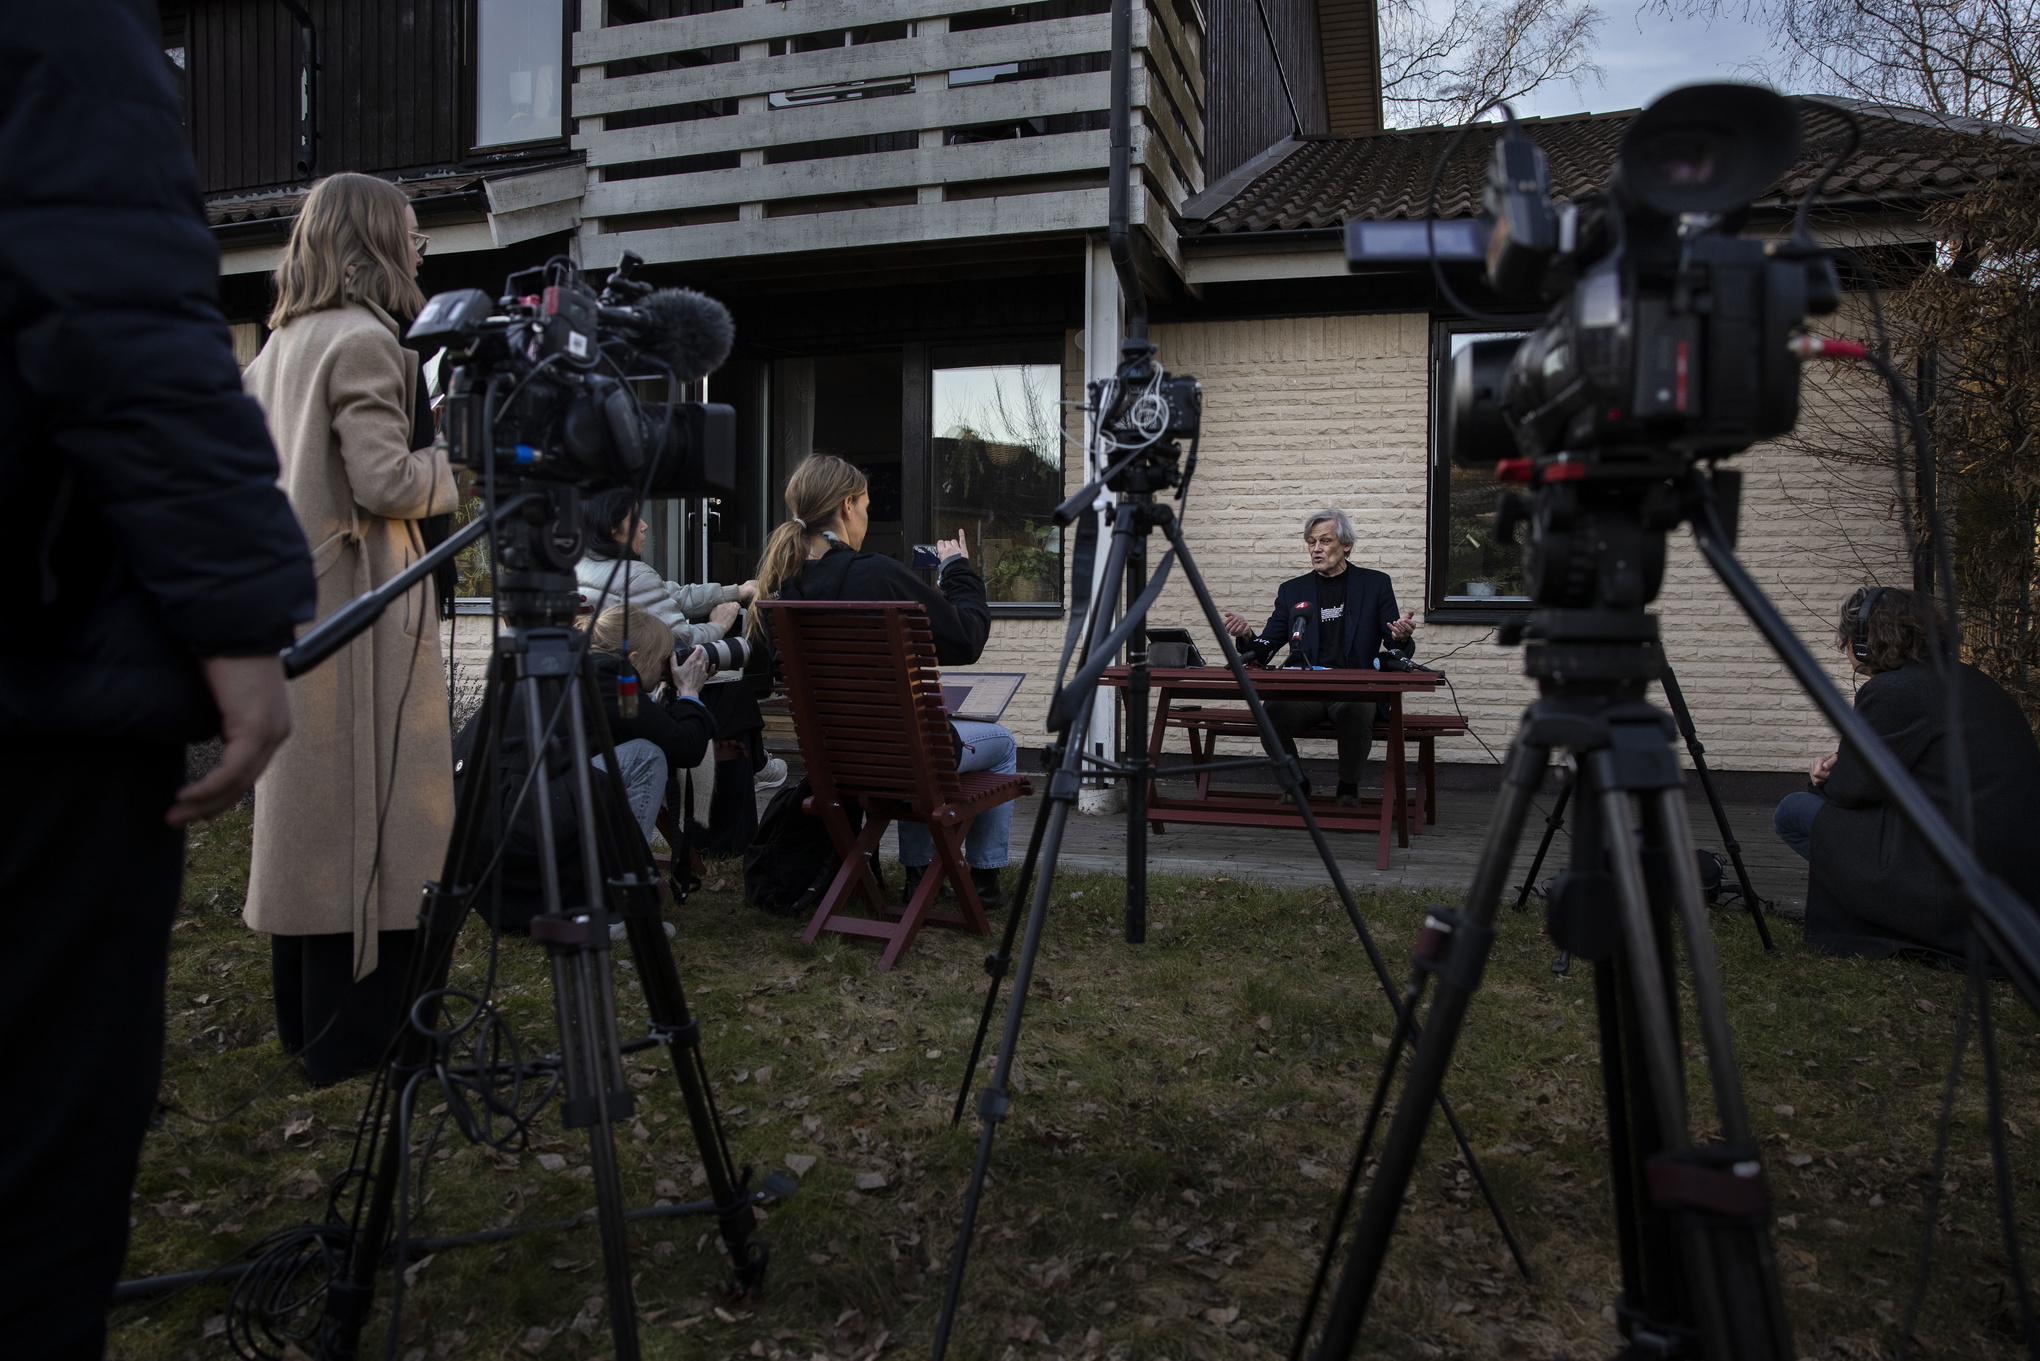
(1301, 412)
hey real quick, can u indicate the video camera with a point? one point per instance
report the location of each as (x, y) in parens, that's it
(547, 381)
(1667, 331)
(1669, 338)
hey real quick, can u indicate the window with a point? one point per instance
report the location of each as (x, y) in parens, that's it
(1472, 576)
(996, 469)
(517, 81)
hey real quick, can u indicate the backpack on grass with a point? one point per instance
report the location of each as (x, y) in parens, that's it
(789, 863)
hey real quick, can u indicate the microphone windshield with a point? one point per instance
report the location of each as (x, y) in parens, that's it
(690, 331)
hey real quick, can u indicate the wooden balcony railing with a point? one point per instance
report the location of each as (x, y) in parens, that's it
(800, 125)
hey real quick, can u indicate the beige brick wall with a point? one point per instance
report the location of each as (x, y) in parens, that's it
(1301, 412)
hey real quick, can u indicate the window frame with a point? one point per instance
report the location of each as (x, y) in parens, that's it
(1013, 350)
(569, 25)
(1438, 475)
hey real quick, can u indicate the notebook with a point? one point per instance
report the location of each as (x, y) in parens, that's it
(979, 696)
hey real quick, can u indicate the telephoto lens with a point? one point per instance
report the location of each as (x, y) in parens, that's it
(727, 654)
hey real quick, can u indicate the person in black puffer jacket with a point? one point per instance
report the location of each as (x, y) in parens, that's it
(153, 572)
(814, 556)
(1873, 888)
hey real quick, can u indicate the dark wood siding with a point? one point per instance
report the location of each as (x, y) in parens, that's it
(1247, 111)
(392, 82)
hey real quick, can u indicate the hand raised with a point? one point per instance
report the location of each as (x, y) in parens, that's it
(1402, 628)
(958, 547)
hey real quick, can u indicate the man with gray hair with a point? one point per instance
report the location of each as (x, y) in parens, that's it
(1333, 616)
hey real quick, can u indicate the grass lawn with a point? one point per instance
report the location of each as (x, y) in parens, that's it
(1186, 1110)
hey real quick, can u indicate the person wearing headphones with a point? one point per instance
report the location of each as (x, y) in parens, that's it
(1873, 888)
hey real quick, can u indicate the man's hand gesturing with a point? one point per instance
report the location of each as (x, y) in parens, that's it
(1237, 625)
(1402, 629)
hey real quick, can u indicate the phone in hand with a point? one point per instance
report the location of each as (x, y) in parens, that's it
(926, 559)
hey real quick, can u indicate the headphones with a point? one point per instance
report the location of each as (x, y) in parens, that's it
(1859, 645)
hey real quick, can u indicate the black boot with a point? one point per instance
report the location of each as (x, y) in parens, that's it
(987, 884)
(1349, 793)
(913, 875)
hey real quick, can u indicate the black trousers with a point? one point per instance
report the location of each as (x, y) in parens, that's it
(89, 879)
(1354, 724)
(338, 1024)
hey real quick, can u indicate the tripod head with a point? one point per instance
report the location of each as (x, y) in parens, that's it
(538, 540)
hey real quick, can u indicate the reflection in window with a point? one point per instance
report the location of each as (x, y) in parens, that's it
(1476, 570)
(517, 81)
(997, 473)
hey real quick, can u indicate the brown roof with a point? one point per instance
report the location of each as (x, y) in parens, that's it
(1904, 155)
(283, 204)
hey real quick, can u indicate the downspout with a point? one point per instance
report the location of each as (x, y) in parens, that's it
(308, 88)
(1119, 234)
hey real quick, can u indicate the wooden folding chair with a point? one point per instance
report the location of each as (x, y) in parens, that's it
(867, 707)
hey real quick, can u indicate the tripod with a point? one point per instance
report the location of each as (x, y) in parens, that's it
(1681, 715)
(539, 709)
(1138, 513)
(1698, 1272)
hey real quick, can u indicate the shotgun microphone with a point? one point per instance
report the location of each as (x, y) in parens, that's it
(689, 331)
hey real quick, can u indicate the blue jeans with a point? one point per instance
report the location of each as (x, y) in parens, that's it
(986, 746)
(644, 779)
(1794, 820)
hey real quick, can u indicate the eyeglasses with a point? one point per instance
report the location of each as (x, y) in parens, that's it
(421, 241)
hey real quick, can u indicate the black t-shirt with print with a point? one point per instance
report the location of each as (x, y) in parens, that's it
(1331, 594)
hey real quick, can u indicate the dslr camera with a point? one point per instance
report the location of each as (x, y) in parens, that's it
(549, 381)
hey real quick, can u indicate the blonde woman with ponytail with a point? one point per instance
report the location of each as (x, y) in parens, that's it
(354, 813)
(816, 554)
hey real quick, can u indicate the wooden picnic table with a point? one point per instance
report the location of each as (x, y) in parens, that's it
(1176, 689)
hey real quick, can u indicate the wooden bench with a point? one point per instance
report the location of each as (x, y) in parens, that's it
(1205, 726)
(867, 706)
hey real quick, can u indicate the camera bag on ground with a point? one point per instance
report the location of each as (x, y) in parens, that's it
(790, 862)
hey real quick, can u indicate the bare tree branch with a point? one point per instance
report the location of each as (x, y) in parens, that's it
(1964, 58)
(1445, 67)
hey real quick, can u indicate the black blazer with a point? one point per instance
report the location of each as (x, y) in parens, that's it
(1370, 608)
(957, 611)
(1874, 887)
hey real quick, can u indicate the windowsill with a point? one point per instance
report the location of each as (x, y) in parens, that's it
(1500, 612)
(1026, 609)
(474, 604)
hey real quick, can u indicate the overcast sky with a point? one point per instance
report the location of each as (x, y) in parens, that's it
(1645, 54)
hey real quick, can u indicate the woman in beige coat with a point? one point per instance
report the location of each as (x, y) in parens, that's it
(353, 815)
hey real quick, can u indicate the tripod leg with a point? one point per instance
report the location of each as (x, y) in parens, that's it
(585, 1003)
(1683, 716)
(996, 962)
(993, 1103)
(1289, 772)
(1459, 975)
(1722, 1283)
(671, 1023)
(1135, 745)
(348, 1297)
(1551, 826)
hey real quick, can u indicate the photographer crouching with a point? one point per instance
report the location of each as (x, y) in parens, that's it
(1334, 616)
(156, 571)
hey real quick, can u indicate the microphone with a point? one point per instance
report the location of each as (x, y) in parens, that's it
(1298, 614)
(689, 332)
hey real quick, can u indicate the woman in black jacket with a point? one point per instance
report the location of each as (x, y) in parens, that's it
(815, 556)
(1874, 888)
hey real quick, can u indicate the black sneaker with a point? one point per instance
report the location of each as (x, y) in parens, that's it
(1349, 794)
(987, 884)
(913, 875)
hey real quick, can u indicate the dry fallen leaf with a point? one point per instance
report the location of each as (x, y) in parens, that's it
(870, 1181)
(800, 1163)
(1221, 1316)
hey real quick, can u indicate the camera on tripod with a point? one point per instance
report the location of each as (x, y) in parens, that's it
(548, 376)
